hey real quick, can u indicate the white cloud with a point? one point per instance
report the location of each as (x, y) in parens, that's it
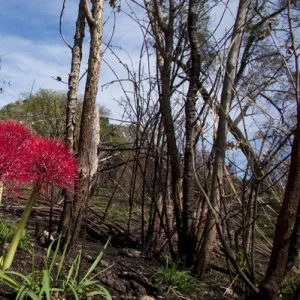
(37, 58)
(27, 61)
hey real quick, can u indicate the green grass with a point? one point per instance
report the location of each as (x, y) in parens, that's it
(177, 278)
(118, 212)
(7, 230)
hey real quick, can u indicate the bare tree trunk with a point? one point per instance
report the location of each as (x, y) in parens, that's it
(187, 242)
(164, 34)
(220, 141)
(74, 78)
(87, 129)
(71, 108)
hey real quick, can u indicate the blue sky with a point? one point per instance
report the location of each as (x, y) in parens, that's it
(32, 50)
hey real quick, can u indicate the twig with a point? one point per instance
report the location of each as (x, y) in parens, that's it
(60, 25)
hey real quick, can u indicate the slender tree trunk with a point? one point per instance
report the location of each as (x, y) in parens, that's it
(166, 113)
(74, 78)
(94, 19)
(187, 246)
(220, 141)
(71, 108)
(163, 30)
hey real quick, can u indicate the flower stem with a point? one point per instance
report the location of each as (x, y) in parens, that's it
(19, 231)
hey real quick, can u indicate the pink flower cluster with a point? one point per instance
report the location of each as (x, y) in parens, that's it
(26, 158)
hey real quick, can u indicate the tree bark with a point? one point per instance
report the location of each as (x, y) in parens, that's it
(188, 241)
(94, 19)
(164, 34)
(220, 141)
(74, 78)
(71, 109)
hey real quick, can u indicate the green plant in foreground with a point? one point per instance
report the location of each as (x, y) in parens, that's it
(53, 282)
(7, 230)
(177, 278)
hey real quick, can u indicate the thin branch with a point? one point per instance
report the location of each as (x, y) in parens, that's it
(88, 14)
(60, 25)
(226, 249)
(59, 79)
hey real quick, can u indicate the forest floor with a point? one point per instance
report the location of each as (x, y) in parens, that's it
(127, 272)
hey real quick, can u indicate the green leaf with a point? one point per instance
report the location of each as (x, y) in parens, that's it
(96, 262)
(55, 254)
(102, 291)
(74, 291)
(62, 260)
(46, 285)
(10, 281)
(33, 295)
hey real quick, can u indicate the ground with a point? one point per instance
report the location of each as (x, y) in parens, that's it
(127, 272)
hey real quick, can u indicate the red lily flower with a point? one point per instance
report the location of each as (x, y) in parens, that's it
(13, 154)
(51, 162)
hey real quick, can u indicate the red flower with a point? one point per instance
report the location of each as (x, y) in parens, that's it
(51, 162)
(13, 154)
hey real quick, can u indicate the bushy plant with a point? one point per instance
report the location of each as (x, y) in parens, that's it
(54, 281)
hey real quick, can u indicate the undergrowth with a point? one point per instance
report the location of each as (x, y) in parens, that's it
(177, 278)
(55, 280)
(7, 230)
(291, 281)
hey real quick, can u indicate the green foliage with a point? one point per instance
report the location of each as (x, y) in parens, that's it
(54, 281)
(7, 230)
(45, 113)
(177, 278)
(292, 279)
(108, 131)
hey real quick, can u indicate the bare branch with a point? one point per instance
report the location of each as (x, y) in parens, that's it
(88, 14)
(60, 25)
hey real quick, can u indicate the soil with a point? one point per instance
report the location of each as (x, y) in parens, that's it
(128, 273)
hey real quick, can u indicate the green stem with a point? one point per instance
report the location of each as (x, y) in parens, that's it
(19, 231)
(1, 192)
